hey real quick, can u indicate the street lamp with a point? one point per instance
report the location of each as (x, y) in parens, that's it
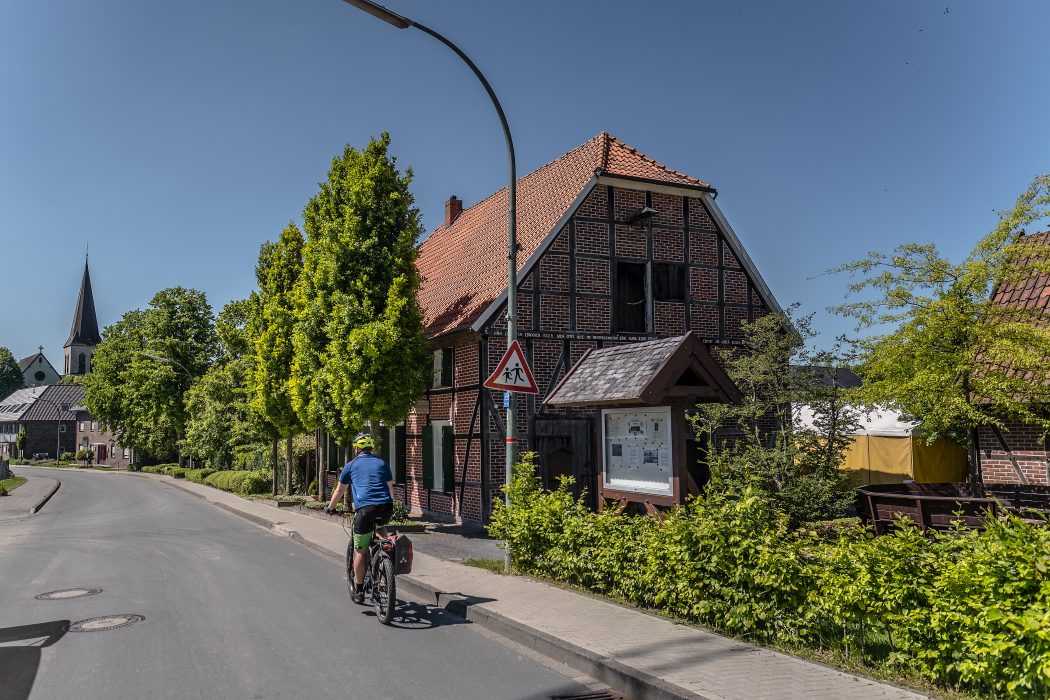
(176, 363)
(61, 408)
(402, 22)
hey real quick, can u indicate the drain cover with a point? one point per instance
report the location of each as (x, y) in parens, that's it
(68, 593)
(105, 622)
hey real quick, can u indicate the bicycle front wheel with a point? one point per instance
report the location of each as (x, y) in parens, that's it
(350, 567)
(384, 590)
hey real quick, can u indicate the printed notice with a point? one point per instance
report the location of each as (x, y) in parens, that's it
(665, 459)
(635, 427)
(634, 456)
(616, 455)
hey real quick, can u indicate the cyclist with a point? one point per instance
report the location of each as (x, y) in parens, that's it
(372, 488)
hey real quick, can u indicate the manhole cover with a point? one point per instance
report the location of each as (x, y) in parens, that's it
(68, 593)
(105, 622)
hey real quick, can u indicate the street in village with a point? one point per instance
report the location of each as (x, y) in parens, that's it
(228, 611)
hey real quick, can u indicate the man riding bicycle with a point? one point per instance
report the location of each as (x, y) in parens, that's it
(372, 488)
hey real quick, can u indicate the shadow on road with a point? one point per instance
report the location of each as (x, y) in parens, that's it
(20, 654)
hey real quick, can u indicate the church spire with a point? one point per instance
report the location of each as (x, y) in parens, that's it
(85, 324)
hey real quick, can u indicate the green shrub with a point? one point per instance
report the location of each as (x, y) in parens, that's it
(84, 453)
(3, 490)
(198, 475)
(240, 481)
(312, 488)
(963, 609)
(400, 513)
(66, 457)
(177, 472)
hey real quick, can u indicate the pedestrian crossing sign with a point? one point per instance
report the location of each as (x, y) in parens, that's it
(513, 373)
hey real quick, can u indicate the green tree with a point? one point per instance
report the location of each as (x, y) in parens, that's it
(10, 376)
(360, 352)
(957, 357)
(20, 443)
(758, 443)
(279, 267)
(138, 395)
(220, 420)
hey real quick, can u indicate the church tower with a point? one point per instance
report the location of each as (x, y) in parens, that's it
(83, 336)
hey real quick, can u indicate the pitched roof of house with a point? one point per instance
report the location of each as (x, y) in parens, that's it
(1032, 291)
(85, 325)
(25, 362)
(47, 405)
(14, 405)
(646, 373)
(463, 264)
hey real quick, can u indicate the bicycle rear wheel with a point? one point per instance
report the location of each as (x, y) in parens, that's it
(384, 590)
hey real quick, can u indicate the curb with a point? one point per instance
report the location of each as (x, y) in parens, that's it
(35, 509)
(630, 681)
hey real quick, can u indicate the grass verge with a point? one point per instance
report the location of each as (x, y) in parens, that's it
(11, 483)
(493, 565)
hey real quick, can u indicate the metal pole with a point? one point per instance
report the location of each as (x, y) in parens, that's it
(402, 22)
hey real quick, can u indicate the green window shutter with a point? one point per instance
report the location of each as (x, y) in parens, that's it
(448, 458)
(383, 445)
(401, 468)
(446, 366)
(428, 457)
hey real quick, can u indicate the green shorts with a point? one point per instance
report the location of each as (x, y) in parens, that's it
(367, 519)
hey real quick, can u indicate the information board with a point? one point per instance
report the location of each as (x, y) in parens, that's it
(637, 444)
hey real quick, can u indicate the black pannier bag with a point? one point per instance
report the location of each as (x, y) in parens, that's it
(402, 555)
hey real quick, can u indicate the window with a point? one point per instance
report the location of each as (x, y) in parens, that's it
(82, 366)
(669, 283)
(83, 426)
(94, 425)
(442, 368)
(630, 298)
(39, 376)
(127, 453)
(61, 427)
(438, 456)
(394, 452)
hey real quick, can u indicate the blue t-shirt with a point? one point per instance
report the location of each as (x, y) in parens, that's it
(367, 476)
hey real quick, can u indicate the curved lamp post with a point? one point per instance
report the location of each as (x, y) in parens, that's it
(402, 22)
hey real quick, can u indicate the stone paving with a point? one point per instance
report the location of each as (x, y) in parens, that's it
(654, 656)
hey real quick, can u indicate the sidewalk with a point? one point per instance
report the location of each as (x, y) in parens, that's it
(27, 498)
(639, 654)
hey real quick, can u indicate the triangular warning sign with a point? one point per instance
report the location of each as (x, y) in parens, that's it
(513, 373)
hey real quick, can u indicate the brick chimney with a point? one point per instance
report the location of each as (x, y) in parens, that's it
(452, 209)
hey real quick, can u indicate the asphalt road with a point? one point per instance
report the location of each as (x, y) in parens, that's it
(230, 611)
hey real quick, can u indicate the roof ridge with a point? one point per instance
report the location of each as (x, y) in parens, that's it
(654, 162)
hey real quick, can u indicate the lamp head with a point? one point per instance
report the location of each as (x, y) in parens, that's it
(642, 214)
(377, 10)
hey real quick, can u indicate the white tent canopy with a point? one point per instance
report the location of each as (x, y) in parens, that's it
(883, 422)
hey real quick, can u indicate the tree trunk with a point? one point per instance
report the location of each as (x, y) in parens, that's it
(288, 465)
(273, 462)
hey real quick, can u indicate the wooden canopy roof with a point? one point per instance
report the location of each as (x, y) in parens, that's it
(651, 373)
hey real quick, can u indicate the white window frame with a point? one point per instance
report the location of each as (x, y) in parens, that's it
(438, 484)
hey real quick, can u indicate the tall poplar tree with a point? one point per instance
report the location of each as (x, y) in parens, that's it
(360, 352)
(279, 267)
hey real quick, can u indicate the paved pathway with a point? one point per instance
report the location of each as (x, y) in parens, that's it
(643, 655)
(29, 495)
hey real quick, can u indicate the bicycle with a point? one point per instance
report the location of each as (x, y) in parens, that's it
(385, 558)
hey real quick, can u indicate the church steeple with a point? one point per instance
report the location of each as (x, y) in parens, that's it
(84, 335)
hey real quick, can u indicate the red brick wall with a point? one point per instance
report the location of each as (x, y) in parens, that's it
(1028, 448)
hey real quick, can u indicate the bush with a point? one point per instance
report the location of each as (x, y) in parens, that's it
(400, 514)
(312, 488)
(198, 475)
(66, 457)
(964, 609)
(83, 453)
(3, 490)
(240, 481)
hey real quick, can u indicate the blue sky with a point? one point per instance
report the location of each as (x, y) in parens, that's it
(176, 137)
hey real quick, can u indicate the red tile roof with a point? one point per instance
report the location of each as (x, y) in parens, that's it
(464, 266)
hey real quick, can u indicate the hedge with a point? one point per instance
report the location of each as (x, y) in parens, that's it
(198, 475)
(962, 609)
(238, 481)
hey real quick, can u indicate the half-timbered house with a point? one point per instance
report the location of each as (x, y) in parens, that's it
(614, 248)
